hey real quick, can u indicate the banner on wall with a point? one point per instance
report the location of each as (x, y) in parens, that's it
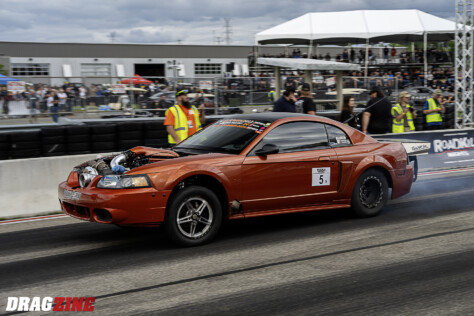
(16, 86)
(449, 148)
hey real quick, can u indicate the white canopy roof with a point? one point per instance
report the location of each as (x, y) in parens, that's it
(307, 64)
(358, 26)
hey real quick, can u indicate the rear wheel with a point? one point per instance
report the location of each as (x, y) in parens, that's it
(194, 216)
(370, 193)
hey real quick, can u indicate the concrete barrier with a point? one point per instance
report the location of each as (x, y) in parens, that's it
(30, 186)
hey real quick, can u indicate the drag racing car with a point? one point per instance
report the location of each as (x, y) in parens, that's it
(239, 167)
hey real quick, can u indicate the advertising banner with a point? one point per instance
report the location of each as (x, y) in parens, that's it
(118, 88)
(449, 148)
(205, 84)
(16, 86)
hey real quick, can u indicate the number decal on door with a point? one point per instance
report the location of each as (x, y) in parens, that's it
(321, 176)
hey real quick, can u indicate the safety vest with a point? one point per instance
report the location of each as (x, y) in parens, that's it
(398, 126)
(271, 95)
(434, 116)
(181, 122)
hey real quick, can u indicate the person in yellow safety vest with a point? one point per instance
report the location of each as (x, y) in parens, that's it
(403, 114)
(183, 119)
(271, 95)
(431, 110)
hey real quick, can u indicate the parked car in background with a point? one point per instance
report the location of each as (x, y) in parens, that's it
(153, 104)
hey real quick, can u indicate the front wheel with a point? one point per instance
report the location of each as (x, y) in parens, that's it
(194, 216)
(370, 193)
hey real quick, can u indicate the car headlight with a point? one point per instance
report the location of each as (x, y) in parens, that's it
(124, 182)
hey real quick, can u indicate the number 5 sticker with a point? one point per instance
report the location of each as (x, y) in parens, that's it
(321, 176)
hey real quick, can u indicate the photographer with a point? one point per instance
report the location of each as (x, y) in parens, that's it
(403, 114)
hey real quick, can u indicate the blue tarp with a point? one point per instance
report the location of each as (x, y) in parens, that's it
(4, 79)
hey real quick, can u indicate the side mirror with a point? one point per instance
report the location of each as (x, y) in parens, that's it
(267, 149)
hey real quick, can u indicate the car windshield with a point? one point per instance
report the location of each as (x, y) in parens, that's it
(229, 136)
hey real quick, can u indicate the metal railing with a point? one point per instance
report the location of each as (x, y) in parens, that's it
(218, 93)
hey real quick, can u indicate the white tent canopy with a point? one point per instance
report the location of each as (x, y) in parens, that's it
(308, 64)
(358, 27)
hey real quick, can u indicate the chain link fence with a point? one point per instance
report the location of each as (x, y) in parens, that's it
(153, 95)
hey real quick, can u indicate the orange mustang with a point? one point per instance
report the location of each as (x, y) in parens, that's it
(241, 166)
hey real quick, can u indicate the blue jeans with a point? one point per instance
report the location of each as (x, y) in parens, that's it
(54, 113)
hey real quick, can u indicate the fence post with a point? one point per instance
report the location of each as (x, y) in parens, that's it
(216, 95)
(251, 91)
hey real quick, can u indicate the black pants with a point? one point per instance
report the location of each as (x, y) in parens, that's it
(6, 110)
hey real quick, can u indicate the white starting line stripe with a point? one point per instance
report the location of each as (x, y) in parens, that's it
(32, 219)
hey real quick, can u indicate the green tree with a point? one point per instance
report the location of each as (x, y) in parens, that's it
(3, 71)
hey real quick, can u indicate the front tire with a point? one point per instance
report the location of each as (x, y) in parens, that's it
(370, 193)
(193, 217)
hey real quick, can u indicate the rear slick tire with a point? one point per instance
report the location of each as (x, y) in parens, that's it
(370, 193)
(193, 216)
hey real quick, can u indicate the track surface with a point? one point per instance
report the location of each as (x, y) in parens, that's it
(416, 258)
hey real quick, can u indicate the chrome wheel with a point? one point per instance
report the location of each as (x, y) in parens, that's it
(194, 217)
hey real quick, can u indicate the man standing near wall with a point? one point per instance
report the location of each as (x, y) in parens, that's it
(431, 110)
(377, 118)
(183, 119)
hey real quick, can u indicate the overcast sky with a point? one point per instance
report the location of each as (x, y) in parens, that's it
(173, 21)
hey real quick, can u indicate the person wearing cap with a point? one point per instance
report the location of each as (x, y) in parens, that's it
(183, 119)
(286, 103)
(305, 103)
(403, 114)
(432, 110)
(377, 117)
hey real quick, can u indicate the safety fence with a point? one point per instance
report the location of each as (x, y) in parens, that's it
(117, 134)
(215, 93)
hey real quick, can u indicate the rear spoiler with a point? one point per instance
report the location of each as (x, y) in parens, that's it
(413, 148)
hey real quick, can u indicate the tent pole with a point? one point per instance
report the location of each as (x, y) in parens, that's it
(277, 82)
(340, 96)
(310, 48)
(366, 71)
(256, 63)
(308, 77)
(425, 48)
(412, 52)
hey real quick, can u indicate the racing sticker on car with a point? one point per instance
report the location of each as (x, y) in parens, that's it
(258, 127)
(321, 176)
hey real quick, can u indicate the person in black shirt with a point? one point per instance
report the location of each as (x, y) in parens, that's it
(305, 103)
(286, 103)
(377, 118)
(347, 114)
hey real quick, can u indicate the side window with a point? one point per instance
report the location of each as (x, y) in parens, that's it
(298, 136)
(337, 137)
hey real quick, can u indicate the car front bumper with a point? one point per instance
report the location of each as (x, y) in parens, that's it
(137, 207)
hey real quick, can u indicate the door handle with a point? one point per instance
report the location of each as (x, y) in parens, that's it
(324, 158)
